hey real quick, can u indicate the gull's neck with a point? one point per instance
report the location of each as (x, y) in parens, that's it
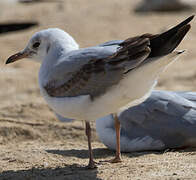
(59, 47)
(58, 50)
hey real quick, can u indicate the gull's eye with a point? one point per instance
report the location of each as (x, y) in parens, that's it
(36, 45)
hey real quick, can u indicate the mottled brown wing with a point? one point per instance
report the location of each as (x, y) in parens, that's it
(98, 75)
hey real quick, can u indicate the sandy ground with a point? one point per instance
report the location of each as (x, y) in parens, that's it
(33, 144)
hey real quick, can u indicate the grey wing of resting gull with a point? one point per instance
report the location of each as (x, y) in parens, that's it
(165, 120)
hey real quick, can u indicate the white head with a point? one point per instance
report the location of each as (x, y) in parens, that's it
(44, 42)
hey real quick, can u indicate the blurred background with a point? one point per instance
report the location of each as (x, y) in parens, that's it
(24, 115)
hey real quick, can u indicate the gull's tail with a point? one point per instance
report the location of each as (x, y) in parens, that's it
(166, 42)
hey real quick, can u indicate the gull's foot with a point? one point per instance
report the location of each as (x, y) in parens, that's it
(116, 160)
(92, 165)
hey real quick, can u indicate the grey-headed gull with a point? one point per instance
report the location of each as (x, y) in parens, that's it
(165, 120)
(89, 83)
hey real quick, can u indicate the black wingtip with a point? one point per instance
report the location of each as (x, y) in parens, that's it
(186, 21)
(190, 18)
(176, 28)
(169, 40)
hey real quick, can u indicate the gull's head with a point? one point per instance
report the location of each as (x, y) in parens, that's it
(44, 42)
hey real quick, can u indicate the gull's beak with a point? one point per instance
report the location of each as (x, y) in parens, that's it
(17, 56)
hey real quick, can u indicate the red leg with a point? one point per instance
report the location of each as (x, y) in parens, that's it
(91, 164)
(117, 127)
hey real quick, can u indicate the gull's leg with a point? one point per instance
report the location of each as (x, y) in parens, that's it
(91, 164)
(117, 127)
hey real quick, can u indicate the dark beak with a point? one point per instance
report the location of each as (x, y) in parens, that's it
(16, 57)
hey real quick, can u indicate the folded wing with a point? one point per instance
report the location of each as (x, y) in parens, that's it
(98, 68)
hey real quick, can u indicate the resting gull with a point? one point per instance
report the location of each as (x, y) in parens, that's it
(166, 120)
(89, 83)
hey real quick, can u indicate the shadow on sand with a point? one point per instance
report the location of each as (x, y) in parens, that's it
(99, 153)
(83, 154)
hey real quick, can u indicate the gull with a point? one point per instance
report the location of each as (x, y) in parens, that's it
(89, 83)
(16, 26)
(164, 5)
(166, 120)
(28, 1)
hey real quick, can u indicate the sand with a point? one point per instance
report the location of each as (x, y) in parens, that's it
(33, 143)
